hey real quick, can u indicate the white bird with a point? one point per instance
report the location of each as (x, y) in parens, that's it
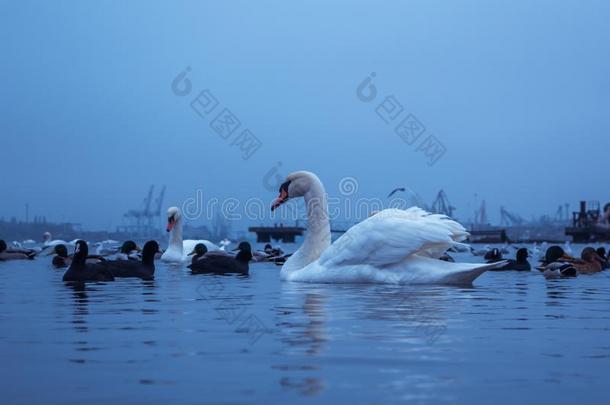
(393, 246)
(102, 249)
(178, 249)
(48, 241)
(224, 243)
(480, 252)
(539, 251)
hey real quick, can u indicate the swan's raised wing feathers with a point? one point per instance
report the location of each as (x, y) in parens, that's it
(392, 235)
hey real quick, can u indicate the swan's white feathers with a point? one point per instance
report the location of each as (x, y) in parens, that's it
(178, 249)
(413, 270)
(392, 235)
(391, 246)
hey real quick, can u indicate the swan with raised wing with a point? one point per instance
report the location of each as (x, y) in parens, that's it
(393, 246)
(178, 249)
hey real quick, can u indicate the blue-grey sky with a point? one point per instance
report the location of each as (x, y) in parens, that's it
(517, 91)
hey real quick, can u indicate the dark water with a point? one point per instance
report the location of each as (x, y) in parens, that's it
(194, 339)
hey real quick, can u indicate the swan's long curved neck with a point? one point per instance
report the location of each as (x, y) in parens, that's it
(318, 225)
(175, 237)
(317, 239)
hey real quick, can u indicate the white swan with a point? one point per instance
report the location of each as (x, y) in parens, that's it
(48, 241)
(393, 246)
(178, 249)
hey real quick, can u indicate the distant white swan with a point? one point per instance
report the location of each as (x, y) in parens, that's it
(48, 241)
(393, 246)
(178, 249)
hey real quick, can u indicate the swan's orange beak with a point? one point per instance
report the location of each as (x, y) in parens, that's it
(281, 199)
(170, 224)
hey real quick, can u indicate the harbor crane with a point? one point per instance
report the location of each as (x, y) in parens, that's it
(441, 205)
(141, 221)
(509, 219)
(480, 215)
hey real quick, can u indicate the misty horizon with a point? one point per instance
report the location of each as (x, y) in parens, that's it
(517, 100)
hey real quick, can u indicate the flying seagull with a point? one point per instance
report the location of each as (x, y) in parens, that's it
(395, 191)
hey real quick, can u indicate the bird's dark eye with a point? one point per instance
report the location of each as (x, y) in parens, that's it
(284, 186)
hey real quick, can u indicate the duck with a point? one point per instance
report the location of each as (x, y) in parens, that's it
(273, 252)
(7, 253)
(177, 250)
(589, 262)
(519, 264)
(269, 254)
(129, 251)
(61, 258)
(144, 269)
(198, 252)
(393, 246)
(559, 270)
(603, 258)
(494, 255)
(557, 264)
(555, 253)
(222, 264)
(81, 271)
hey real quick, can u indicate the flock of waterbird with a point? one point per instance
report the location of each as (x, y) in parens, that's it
(394, 246)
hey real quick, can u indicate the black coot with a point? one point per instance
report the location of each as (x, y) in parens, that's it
(520, 264)
(82, 271)
(220, 264)
(144, 269)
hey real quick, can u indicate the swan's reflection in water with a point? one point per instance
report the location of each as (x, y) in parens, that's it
(305, 335)
(416, 313)
(401, 324)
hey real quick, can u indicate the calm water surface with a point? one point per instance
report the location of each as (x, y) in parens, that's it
(192, 339)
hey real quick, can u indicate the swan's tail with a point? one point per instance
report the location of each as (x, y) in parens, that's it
(424, 270)
(467, 276)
